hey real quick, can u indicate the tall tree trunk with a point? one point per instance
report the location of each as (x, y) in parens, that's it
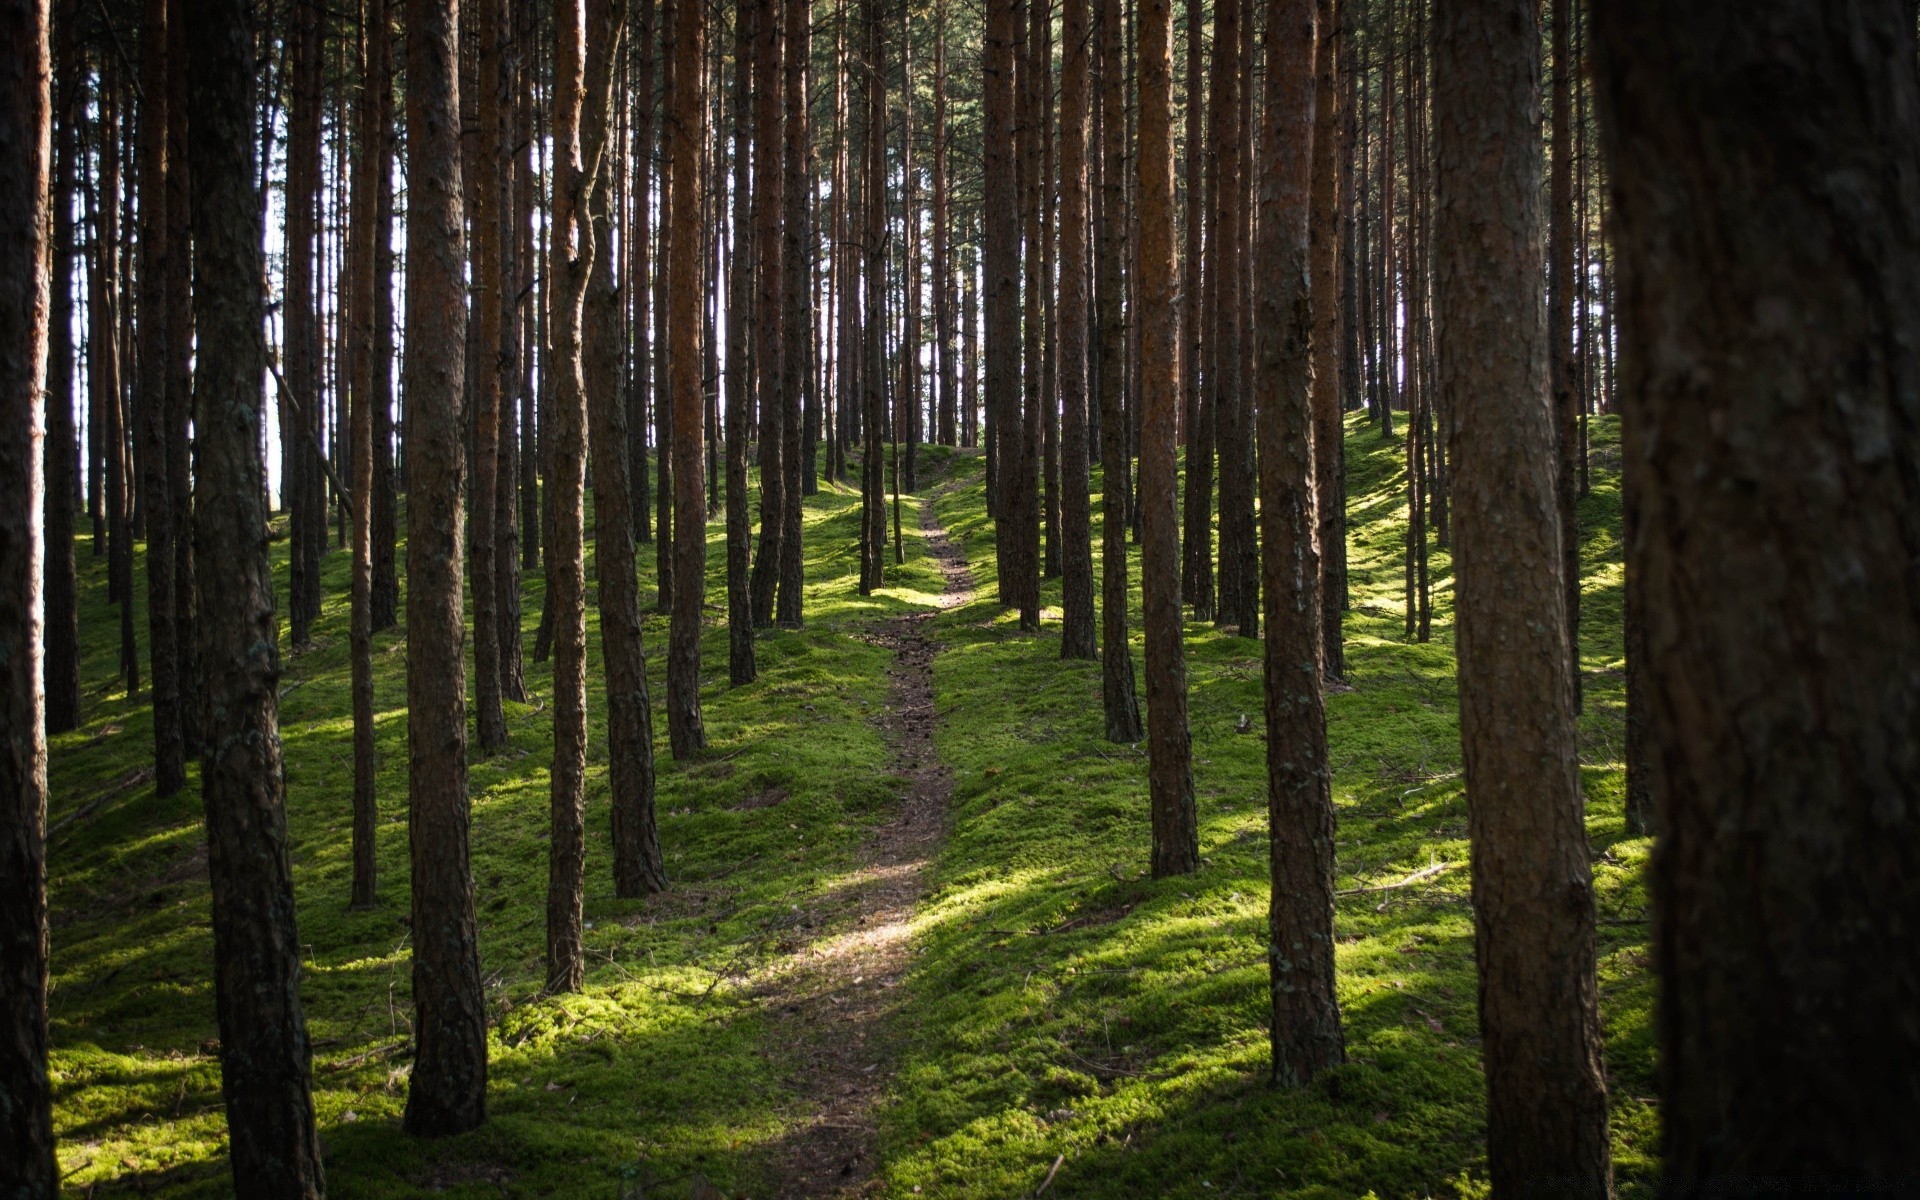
(27, 1164)
(797, 328)
(1020, 461)
(299, 462)
(687, 113)
(1560, 304)
(448, 1091)
(1328, 229)
(516, 284)
(1532, 889)
(1000, 234)
(170, 761)
(1176, 838)
(645, 120)
(1306, 1035)
(741, 665)
(1239, 562)
(769, 302)
(663, 340)
(1766, 310)
(1118, 697)
(1078, 636)
(908, 430)
(264, 1053)
(638, 868)
(62, 448)
(873, 539)
(385, 603)
(946, 427)
(1196, 560)
(483, 179)
(371, 145)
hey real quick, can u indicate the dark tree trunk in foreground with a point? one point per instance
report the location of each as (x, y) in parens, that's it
(264, 1054)
(687, 114)
(27, 1165)
(1233, 413)
(163, 647)
(1077, 633)
(1306, 1017)
(448, 1091)
(1769, 285)
(1176, 838)
(1532, 889)
(63, 446)
(1117, 694)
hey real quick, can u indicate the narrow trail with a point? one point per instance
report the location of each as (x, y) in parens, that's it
(832, 998)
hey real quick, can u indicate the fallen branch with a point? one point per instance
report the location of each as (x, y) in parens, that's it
(1051, 1172)
(1420, 876)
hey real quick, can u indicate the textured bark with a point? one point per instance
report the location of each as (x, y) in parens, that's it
(769, 308)
(1233, 413)
(300, 464)
(179, 368)
(741, 665)
(687, 114)
(27, 1165)
(1532, 890)
(1196, 560)
(638, 868)
(1567, 401)
(1176, 838)
(264, 1053)
(371, 145)
(1020, 457)
(663, 340)
(1078, 636)
(1000, 233)
(516, 283)
(645, 120)
(163, 656)
(946, 427)
(1118, 697)
(1306, 1035)
(797, 328)
(62, 623)
(873, 539)
(386, 581)
(1768, 259)
(1328, 231)
(483, 178)
(448, 1090)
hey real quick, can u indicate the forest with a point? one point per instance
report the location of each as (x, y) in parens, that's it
(723, 599)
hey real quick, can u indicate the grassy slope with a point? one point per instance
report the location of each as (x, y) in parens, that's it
(660, 1068)
(1129, 1037)
(1068, 1005)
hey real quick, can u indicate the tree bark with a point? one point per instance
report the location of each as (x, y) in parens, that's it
(1768, 259)
(1176, 838)
(1078, 636)
(300, 467)
(1332, 152)
(448, 1091)
(1532, 890)
(1306, 1035)
(1233, 413)
(796, 335)
(1118, 698)
(1000, 234)
(489, 281)
(62, 449)
(264, 1053)
(769, 302)
(1196, 562)
(873, 541)
(687, 114)
(27, 1165)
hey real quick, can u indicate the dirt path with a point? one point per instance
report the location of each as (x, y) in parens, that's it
(832, 998)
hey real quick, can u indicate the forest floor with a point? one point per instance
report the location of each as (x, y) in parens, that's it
(911, 812)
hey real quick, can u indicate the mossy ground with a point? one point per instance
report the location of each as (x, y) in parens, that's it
(1062, 1003)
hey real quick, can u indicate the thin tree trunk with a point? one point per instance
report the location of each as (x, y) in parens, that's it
(1328, 229)
(741, 665)
(1078, 636)
(945, 420)
(1766, 310)
(873, 538)
(663, 340)
(483, 173)
(27, 1164)
(264, 1053)
(1117, 694)
(1196, 561)
(687, 113)
(769, 191)
(1001, 237)
(1560, 304)
(448, 1090)
(300, 464)
(796, 337)
(1176, 841)
(1532, 888)
(1233, 413)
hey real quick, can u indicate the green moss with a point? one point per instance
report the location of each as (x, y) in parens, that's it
(1060, 1003)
